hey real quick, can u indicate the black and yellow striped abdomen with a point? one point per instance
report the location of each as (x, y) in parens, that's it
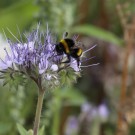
(76, 52)
(79, 52)
(67, 44)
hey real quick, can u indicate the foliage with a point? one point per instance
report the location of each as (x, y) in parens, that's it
(13, 78)
(23, 131)
(91, 30)
(58, 13)
(101, 22)
(68, 96)
(20, 14)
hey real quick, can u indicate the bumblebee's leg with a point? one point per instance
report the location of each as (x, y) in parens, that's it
(69, 58)
(78, 61)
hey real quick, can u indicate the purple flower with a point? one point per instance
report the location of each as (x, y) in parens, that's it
(103, 111)
(72, 126)
(93, 112)
(73, 64)
(86, 107)
(4, 64)
(33, 53)
(36, 57)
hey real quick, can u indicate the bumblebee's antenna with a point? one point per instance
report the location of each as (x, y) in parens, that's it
(65, 34)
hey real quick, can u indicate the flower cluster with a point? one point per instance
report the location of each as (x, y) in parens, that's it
(36, 58)
(89, 115)
(94, 112)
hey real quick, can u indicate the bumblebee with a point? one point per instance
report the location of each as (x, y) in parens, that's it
(67, 46)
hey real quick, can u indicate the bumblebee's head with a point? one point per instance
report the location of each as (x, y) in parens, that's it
(59, 49)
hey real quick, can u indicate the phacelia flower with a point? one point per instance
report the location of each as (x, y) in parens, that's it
(93, 112)
(36, 58)
(72, 126)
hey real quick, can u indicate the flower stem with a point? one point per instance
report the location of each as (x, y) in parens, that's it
(38, 111)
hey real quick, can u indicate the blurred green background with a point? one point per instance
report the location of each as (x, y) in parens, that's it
(89, 107)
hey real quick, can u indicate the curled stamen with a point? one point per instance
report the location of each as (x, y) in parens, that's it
(13, 35)
(19, 33)
(3, 61)
(7, 53)
(89, 49)
(88, 59)
(75, 37)
(5, 35)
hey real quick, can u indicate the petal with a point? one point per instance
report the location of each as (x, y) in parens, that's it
(74, 65)
(3, 65)
(41, 71)
(9, 63)
(31, 46)
(103, 111)
(54, 67)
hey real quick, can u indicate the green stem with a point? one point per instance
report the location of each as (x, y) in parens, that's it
(56, 118)
(38, 111)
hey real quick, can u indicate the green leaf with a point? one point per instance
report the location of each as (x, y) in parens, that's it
(41, 131)
(5, 127)
(13, 79)
(99, 33)
(71, 96)
(68, 76)
(21, 129)
(30, 132)
(21, 13)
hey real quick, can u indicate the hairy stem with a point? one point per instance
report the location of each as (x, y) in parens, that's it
(38, 111)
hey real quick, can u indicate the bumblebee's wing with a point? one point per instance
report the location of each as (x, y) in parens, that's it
(79, 44)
